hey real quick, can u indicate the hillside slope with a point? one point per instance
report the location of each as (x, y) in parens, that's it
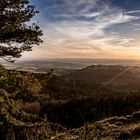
(113, 77)
(124, 127)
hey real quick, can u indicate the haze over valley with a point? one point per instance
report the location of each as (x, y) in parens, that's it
(69, 69)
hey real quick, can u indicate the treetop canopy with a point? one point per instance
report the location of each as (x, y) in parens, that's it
(16, 34)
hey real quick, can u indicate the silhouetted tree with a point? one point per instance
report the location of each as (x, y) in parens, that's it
(17, 34)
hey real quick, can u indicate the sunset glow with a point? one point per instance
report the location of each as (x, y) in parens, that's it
(88, 29)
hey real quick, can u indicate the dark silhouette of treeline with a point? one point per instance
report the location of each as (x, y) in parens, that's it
(68, 101)
(76, 111)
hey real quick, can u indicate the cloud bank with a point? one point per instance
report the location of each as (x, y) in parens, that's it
(88, 28)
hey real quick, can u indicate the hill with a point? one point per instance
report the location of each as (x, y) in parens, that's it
(95, 79)
(92, 93)
(113, 77)
(86, 95)
(121, 128)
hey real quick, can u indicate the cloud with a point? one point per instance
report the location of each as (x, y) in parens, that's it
(80, 28)
(133, 12)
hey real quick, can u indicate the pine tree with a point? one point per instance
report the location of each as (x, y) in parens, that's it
(17, 34)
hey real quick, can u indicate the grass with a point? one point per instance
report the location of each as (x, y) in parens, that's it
(124, 127)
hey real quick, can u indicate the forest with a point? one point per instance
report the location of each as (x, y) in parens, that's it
(93, 102)
(40, 102)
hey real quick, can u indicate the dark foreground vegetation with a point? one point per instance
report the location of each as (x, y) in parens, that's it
(29, 101)
(83, 96)
(114, 128)
(75, 112)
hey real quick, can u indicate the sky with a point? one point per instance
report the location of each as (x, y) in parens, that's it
(107, 29)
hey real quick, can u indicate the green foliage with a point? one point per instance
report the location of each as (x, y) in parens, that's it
(22, 85)
(74, 112)
(16, 35)
(66, 105)
(16, 124)
(82, 96)
(120, 128)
